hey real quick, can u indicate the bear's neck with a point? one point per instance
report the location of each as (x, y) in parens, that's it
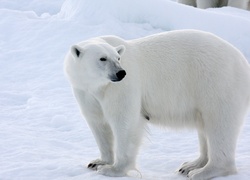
(98, 91)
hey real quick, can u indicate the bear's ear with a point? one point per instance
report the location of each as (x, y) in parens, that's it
(76, 51)
(120, 49)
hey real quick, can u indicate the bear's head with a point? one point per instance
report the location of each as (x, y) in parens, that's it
(95, 63)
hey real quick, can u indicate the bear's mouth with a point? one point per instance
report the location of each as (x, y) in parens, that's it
(114, 80)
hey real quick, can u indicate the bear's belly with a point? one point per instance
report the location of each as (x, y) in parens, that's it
(174, 118)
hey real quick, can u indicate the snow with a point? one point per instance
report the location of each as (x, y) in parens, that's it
(42, 134)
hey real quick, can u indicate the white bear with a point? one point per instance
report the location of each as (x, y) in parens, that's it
(179, 79)
(203, 4)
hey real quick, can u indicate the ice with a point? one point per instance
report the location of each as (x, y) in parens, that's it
(42, 133)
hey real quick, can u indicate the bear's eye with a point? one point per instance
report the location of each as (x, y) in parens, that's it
(119, 59)
(103, 59)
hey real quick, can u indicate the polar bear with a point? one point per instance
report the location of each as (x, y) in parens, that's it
(183, 78)
(203, 4)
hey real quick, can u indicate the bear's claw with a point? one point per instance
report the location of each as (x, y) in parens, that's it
(92, 166)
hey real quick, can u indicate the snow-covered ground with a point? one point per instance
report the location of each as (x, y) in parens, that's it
(42, 134)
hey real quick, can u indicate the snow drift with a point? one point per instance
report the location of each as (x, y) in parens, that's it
(163, 15)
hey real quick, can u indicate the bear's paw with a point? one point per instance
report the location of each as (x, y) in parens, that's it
(94, 164)
(110, 170)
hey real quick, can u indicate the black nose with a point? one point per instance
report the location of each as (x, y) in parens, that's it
(121, 74)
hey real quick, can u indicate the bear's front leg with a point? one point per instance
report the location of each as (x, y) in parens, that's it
(104, 139)
(127, 128)
(93, 114)
(127, 142)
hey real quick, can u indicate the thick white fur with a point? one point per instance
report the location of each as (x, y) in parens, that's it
(203, 4)
(178, 79)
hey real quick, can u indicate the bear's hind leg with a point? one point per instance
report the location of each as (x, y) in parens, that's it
(222, 133)
(199, 162)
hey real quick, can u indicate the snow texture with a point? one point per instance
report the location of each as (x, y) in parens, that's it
(42, 134)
